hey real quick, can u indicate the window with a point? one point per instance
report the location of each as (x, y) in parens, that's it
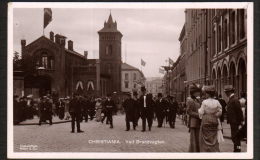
(219, 39)
(214, 42)
(109, 68)
(242, 23)
(51, 64)
(134, 76)
(126, 84)
(126, 76)
(225, 35)
(107, 50)
(232, 27)
(134, 85)
(44, 61)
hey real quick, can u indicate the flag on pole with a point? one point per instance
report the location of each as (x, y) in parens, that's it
(161, 70)
(47, 16)
(143, 62)
(171, 61)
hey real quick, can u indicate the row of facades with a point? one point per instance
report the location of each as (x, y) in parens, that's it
(213, 50)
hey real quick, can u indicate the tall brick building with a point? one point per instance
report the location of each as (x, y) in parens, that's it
(215, 49)
(51, 66)
(110, 55)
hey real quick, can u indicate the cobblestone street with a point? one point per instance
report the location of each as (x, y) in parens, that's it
(57, 138)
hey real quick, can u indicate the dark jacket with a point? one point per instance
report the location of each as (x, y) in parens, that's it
(234, 111)
(110, 105)
(192, 109)
(128, 105)
(223, 104)
(149, 105)
(75, 106)
(161, 106)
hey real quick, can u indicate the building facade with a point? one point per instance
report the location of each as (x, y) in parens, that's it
(110, 55)
(178, 73)
(48, 66)
(154, 86)
(132, 78)
(56, 68)
(213, 44)
(228, 49)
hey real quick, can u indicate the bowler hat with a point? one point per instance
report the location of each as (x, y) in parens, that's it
(159, 95)
(193, 88)
(228, 88)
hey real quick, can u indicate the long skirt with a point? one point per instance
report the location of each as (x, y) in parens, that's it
(98, 115)
(209, 134)
(194, 140)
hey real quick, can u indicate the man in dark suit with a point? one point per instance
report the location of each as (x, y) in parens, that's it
(234, 115)
(75, 109)
(45, 108)
(172, 107)
(128, 105)
(146, 106)
(110, 108)
(160, 109)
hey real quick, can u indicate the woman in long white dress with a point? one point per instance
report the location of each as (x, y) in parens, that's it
(98, 107)
(210, 129)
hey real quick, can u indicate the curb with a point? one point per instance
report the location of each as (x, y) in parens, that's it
(27, 124)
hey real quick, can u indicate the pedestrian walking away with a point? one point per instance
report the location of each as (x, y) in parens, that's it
(210, 131)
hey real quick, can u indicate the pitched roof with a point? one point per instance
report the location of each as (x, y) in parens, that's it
(110, 26)
(126, 66)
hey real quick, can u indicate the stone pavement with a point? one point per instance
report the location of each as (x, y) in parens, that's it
(99, 137)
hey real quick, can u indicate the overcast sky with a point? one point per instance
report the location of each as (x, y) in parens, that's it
(150, 34)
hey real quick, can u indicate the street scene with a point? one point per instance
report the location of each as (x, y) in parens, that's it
(129, 80)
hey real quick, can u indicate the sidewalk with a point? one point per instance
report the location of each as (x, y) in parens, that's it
(35, 121)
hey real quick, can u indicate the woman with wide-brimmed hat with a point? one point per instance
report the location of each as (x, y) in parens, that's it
(193, 104)
(210, 131)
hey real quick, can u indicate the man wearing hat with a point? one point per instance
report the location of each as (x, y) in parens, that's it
(160, 109)
(193, 104)
(45, 108)
(146, 106)
(172, 107)
(128, 105)
(234, 116)
(110, 107)
(136, 108)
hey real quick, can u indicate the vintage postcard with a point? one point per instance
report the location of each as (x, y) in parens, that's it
(130, 80)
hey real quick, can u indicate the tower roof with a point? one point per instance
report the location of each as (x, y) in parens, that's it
(109, 26)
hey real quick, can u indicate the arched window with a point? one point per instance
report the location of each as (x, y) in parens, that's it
(109, 49)
(44, 62)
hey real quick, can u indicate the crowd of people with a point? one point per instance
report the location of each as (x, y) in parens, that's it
(206, 113)
(203, 112)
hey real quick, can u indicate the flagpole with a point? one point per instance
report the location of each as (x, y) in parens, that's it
(43, 24)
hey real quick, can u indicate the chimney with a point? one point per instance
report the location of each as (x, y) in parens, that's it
(59, 39)
(86, 54)
(70, 45)
(23, 44)
(52, 36)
